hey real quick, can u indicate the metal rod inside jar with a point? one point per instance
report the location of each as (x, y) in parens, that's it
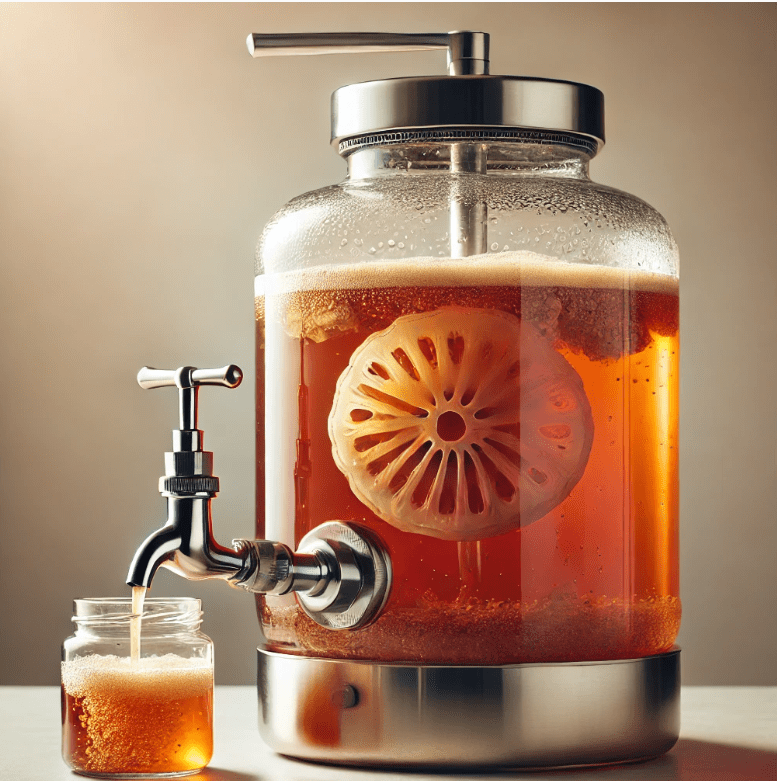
(468, 212)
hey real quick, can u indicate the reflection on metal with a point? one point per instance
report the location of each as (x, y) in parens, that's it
(521, 716)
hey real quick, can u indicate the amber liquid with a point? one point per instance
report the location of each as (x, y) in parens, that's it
(151, 716)
(594, 578)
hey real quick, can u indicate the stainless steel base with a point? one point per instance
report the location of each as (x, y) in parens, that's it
(521, 716)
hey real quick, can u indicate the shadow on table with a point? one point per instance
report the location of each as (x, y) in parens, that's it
(698, 760)
(689, 760)
(217, 774)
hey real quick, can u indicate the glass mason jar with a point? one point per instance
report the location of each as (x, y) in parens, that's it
(149, 715)
(480, 364)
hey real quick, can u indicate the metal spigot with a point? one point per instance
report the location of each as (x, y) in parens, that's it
(341, 574)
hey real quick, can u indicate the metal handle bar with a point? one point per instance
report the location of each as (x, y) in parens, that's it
(467, 50)
(188, 377)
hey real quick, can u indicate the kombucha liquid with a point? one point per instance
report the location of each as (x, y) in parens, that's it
(596, 576)
(154, 715)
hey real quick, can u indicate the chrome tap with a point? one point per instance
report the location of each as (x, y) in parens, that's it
(341, 573)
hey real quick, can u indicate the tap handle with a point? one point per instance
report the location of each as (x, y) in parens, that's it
(188, 380)
(189, 377)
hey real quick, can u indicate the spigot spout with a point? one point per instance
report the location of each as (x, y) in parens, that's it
(154, 551)
(186, 546)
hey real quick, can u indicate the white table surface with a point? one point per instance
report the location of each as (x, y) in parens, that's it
(728, 734)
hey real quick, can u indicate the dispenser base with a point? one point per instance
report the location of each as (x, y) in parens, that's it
(516, 716)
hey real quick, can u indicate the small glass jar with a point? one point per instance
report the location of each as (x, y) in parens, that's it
(142, 714)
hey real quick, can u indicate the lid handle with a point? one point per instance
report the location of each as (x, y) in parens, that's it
(467, 50)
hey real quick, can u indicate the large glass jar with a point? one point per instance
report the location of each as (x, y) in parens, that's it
(503, 417)
(137, 691)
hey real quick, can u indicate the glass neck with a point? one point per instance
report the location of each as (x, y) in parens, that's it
(161, 616)
(479, 157)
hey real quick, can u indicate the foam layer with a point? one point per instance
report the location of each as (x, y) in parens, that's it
(505, 268)
(163, 677)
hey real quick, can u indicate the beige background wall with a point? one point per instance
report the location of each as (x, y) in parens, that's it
(142, 150)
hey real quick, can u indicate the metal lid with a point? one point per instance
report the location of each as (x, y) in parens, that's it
(466, 103)
(469, 102)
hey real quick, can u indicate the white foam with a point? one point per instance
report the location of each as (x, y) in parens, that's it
(167, 676)
(504, 269)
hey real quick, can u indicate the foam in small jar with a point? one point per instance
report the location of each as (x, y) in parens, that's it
(166, 677)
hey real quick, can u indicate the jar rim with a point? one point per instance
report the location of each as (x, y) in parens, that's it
(90, 611)
(128, 600)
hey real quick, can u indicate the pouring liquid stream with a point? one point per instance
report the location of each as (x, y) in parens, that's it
(138, 597)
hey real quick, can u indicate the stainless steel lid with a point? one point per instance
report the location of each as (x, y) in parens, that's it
(466, 103)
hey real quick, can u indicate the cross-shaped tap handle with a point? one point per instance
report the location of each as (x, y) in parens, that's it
(188, 380)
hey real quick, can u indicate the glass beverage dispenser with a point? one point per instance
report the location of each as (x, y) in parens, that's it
(467, 358)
